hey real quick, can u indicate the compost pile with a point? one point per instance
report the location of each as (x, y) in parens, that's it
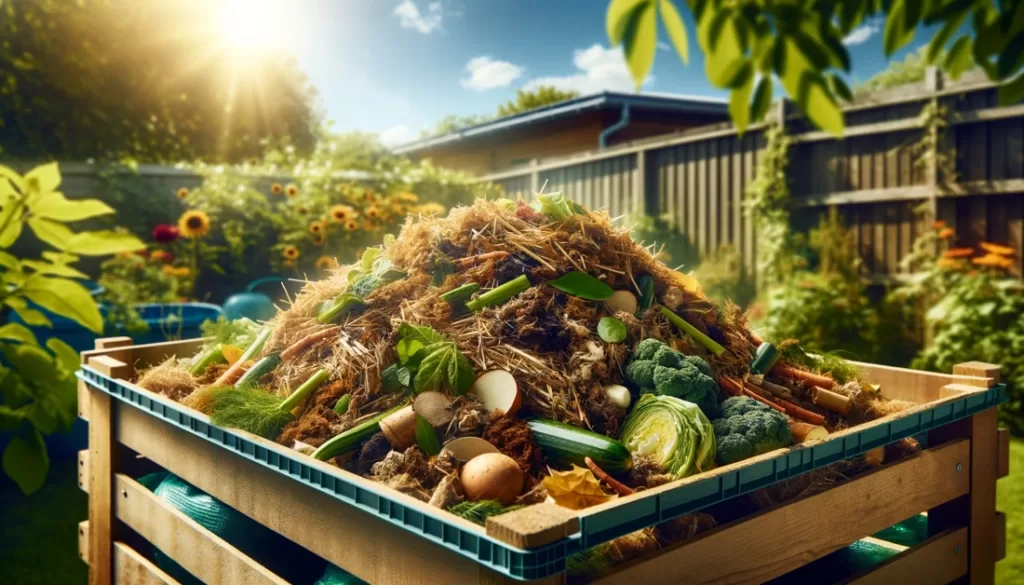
(509, 354)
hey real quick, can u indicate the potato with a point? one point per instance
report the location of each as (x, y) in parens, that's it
(492, 476)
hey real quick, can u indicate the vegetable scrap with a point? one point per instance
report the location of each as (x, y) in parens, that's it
(511, 354)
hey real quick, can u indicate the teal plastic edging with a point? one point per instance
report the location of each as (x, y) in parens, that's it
(595, 529)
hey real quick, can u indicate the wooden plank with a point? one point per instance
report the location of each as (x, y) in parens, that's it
(101, 471)
(914, 385)
(111, 367)
(701, 234)
(978, 370)
(713, 198)
(83, 400)
(131, 568)
(726, 211)
(1000, 529)
(83, 470)
(83, 541)
(200, 552)
(936, 561)
(533, 526)
(342, 534)
(1003, 456)
(692, 206)
(806, 529)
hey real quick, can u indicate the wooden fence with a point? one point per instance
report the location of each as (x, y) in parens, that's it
(698, 179)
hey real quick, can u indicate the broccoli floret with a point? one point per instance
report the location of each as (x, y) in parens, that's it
(747, 428)
(658, 369)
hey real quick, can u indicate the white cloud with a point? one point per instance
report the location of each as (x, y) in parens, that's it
(600, 69)
(664, 46)
(409, 16)
(862, 33)
(486, 73)
(396, 135)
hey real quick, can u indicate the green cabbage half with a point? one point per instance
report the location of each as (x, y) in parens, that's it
(672, 432)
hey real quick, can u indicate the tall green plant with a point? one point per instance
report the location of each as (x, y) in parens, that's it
(37, 383)
(768, 204)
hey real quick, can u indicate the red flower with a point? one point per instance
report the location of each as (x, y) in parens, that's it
(165, 233)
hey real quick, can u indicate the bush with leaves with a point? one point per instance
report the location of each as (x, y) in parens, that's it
(750, 46)
(37, 384)
(973, 310)
(132, 279)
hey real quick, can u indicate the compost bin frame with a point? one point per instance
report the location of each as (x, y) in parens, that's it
(954, 479)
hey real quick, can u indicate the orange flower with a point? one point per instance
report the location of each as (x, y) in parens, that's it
(291, 190)
(958, 253)
(938, 224)
(326, 263)
(341, 213)
(950, 263)
(351, 225)
(176, 271)
(996, 249)
(372, 212)
(946, 233)
(316, 228)
(291, 252)
(993, 260)
(194, 224)
(276, 189)
(182, 193)
(160, 255)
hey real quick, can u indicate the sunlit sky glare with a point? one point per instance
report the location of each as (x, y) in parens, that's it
(397, 66)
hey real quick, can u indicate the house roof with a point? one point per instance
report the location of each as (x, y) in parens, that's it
(677, 103)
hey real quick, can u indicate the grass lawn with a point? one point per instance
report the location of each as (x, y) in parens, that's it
(1011, 502)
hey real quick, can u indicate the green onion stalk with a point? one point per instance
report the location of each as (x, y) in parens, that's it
(257, 411)
(500, 294)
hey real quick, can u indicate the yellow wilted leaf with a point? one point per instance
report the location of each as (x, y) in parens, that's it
(687, 282)
(231, 353)
(576, 489)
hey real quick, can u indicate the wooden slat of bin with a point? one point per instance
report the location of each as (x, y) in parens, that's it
(916, 386)
(346, 536)
(936, 561)
(83, 541)
(199, 551)
(774, 542)
(131, 568)
(83, 470)
(1003, 457)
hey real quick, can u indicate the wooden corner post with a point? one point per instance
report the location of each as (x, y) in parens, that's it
(116, 363)
(977, 509)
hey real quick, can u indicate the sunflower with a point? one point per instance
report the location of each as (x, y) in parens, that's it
(316, 228)
(182, 193)
(290, 264)
(996, 249)
(946, 233)
(397, 209)
(326, 263)
(318, 240)
(408, 197)
(351, 225)
(302, 210)
(276, 189)
(194, 224)
(291, 190)
(958, 253)
(373, 212)
(341, 213)
(291, 252)
(176, 271)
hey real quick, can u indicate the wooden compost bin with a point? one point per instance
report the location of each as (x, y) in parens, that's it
(368, 533)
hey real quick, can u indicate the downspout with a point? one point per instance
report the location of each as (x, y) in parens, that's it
(602, 140)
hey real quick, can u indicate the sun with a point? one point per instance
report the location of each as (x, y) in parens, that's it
(248, 24)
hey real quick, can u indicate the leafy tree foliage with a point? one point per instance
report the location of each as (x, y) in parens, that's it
(751, 46)
(525, 100)
(146, 80)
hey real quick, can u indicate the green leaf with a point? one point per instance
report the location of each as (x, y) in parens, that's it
(12, 219)
(808, 90)
(18, 332)
(581, 284)
(432, 371)
(897, 32)
(461, 374)
(1011, 92)
(66, 298)
(724, 53)
(51, 232)
(369, 256)
(676, 29)
(57, 207)
(9, 261)
(32, 363)
(739, 102)
(426, 437)
(26, 462)
(839, 87)
(54, 269)
(941, 38)
(406, 348)
(10, 418)
(27, 314)
(423, 334)
(103, 243)
(762, 99)
(67, 357)
(640, 42)
(959, 58)
(13, 178)
(611, 330)
(617, 18)
(44, 178)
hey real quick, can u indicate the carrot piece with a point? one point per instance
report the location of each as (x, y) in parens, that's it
(469, 261)
(764, 401)
(756, 338)
(795, 375)
(731, 386)
(619, 487)
(802, 413)
(303, 344)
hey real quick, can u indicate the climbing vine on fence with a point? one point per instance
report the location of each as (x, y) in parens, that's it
(768, 205)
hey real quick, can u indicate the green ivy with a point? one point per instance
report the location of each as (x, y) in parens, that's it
(768, 205)
(37, 384)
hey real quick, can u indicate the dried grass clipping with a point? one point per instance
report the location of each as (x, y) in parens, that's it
(169, 379)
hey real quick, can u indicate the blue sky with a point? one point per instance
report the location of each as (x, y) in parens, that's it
(397, 66)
